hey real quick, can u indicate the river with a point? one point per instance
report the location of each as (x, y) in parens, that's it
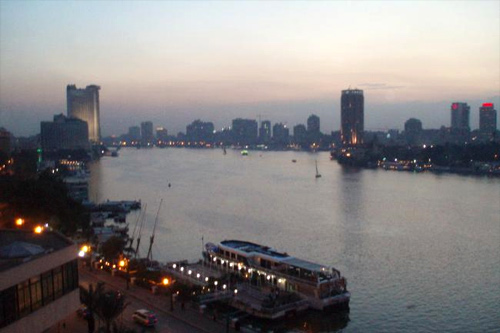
(421, 252)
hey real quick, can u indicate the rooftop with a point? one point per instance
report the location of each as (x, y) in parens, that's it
(19, 246)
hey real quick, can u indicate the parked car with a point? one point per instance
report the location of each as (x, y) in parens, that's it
(144, 317)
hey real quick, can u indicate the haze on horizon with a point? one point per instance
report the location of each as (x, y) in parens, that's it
(173, 62)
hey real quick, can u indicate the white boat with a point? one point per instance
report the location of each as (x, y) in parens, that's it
(264, 268)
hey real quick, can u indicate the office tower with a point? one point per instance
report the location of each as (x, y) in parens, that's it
(83, 104)
(487, 120)
(300, 134)
(200, 131)
(352, 117)
(244, 131)
(147, 135)
(313, 124)
(460, 116)
(265, 131)
(413, 131)
(161, 134)
(280, 134)
(134, 133)
(64, 134)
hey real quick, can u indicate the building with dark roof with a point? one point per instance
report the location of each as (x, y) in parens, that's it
(38, 280)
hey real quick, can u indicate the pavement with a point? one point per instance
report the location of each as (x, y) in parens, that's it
(189, 319)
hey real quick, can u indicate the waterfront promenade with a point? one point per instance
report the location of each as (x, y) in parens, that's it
(188, 320)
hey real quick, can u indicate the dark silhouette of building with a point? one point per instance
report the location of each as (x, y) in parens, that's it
(147, 135)
(487, 121)
(244, 131)
(280, 134)
(352, 117)
(161, 134)
(64, 134)
(460, 128)
(300, 135)
(134, 133)
(200, 131)
(83, 104)
(313, 124)
(413, 131)
(265, 131)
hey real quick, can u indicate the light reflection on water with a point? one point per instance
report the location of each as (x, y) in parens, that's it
(421, 252)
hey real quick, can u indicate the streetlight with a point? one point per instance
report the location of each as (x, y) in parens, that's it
(38, 229)
(19, 222)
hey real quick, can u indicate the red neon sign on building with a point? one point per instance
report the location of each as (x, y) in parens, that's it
(487, 105)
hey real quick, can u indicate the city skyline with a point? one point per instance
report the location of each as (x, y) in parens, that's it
(174, 62)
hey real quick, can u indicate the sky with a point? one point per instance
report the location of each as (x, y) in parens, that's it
(174, 62)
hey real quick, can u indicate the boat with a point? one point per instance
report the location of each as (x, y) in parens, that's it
(244, 152)
(318, 286)
(294, 161)
(317, 172)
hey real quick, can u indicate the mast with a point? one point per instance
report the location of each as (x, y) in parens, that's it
(135, 228)
(152, 239)
(140, 230)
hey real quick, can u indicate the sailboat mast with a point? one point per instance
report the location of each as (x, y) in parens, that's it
(140, 231)
(152, 239)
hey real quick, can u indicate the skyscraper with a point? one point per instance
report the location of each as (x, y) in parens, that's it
(147, 135)
(64, 134)
(487, 120)
(244, 131)
(83, 104)
(352, 117)
(313, 124)
(265, 131)
(460, 116)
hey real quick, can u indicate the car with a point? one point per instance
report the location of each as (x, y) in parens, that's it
(144, 317)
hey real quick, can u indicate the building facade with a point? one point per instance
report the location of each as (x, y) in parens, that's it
(147, 135)
(244, 131)
(300, 135)
(265, 132)
(38, 280)
(352, 117)
(83, 104)
(64, 134)
(460, 115)
(413, 131)
(280, 134)
(134, 134)
(199, 131)
(487, 121)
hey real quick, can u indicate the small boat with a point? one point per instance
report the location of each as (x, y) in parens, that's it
(244, 152)
(317, 172)
(294, 161)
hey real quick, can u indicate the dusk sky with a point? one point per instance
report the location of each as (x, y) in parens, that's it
(173, 62)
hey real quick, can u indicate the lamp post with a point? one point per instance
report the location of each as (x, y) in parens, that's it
(167, 282)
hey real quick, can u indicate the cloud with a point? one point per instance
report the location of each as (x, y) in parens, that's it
(379, 86)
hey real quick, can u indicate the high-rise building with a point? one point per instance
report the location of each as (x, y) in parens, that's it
(352, 116)
(161, 134)
(200, 131)
(460, 116)
(83, 104)
(147, 135)
(265, 131)
(280, 134)
(413, 131)
(487, 120)
(134, 133)
(313, 124)
(244, 131)
(300, 134)
(64, 134)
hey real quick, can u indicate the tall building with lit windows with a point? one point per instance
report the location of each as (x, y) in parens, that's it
(487, 120)
(460, 115)
(83, 104)
(352, 117)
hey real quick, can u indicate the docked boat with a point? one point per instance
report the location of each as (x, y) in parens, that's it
(319, 286)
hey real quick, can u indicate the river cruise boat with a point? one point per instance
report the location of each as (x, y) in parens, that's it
(265, 269)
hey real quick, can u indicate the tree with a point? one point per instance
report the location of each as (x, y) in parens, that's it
(112, 248)
(109, 306)
(90, 298)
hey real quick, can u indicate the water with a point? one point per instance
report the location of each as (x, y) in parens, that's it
(421, 252)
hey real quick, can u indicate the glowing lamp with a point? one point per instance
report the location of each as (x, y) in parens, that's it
(38, 229)
(19, 222)
(165, 281)
(81, 254)
(122, 263)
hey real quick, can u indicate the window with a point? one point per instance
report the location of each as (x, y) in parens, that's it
(47, 287)
(70, 276)
(58, 282)
(7, 306)
(36, 293)
(23, 298)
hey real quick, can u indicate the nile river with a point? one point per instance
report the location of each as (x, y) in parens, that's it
(421, 252)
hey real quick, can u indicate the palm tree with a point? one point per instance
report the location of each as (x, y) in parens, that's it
(109, 306)
(90, 299)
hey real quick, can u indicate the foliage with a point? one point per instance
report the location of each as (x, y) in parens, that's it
(112, 248)
(110, 305)
(40, 201)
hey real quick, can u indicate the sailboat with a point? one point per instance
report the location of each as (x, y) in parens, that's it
(317, 172)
